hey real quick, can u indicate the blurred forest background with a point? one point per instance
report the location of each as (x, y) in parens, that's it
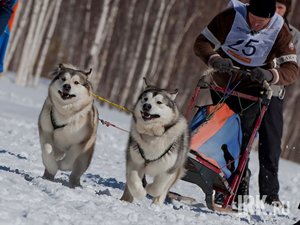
(124, 41)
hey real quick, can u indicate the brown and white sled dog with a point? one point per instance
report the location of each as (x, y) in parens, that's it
(158, 145)
(68, 124)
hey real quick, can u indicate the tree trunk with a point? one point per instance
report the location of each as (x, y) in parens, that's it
(87, 23)
(22, 74)
(110, 29)
(99, 40)
(43, 21)
(115, 90)
(129, 81)
(47, 41)
(149, 53)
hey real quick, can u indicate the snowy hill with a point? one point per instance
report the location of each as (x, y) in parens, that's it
(28, 199)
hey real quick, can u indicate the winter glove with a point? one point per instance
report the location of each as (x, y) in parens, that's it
(258, 74)
(223, 65)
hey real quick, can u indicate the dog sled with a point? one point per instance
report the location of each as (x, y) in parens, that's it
(217, 160)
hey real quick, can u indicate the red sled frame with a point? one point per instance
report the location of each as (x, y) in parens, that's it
(221, 184)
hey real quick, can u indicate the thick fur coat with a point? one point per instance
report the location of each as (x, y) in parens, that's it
(68, 124)
(158, 145)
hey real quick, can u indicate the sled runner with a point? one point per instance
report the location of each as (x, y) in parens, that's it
(217, 158)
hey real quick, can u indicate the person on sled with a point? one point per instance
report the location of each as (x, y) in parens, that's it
(249, 37)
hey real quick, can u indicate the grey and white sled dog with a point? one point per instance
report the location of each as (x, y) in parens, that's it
(68, 124)
(158, 145)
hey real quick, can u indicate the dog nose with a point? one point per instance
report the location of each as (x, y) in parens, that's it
(146, 107)
(67, 87)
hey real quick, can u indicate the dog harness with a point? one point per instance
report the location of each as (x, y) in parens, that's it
(147, 161)
(54, 123)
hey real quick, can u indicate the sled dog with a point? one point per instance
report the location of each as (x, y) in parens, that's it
(68, 124)
(158, 145)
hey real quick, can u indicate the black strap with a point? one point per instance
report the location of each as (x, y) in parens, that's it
(53, 121)
(147, 161)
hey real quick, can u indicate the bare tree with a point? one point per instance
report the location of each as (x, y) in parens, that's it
(86, 32)
(99, 39)
(129, 81)
(127, 31)
(174, 50)
(110, 27)
(22, 74)
(150, 50)
(48, 40)
(67, 32)
(38, 37)
(153, 74)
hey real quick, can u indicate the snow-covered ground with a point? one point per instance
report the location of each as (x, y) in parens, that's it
(28, 199)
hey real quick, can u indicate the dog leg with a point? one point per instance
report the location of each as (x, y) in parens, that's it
(160, 199)
(135, 184)
(127, 195)
(160, 187)
(49, 162)
(80, 165)
(48, 176)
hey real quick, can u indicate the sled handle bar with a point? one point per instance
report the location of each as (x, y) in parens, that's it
(247, 72)
(269, 92)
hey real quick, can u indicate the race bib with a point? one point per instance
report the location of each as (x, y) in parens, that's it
(247, 47)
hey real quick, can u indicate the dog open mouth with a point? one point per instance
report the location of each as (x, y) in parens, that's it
(148, 116)
(65, 95)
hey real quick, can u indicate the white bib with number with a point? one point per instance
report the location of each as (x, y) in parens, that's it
(247, 47)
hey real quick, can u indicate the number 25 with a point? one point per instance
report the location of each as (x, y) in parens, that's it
(248, 49)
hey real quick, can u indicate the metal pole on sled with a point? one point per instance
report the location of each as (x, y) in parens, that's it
(241, 167)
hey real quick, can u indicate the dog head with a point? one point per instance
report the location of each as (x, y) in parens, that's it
(156, 105)
(70, 85)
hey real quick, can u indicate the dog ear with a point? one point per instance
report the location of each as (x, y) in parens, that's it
(173, 94)
(61, 66)
(89, 72)
(145, 83)
(56, 70)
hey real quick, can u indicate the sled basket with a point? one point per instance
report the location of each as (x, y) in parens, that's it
(216, 160)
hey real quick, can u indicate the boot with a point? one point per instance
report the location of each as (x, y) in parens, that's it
(273, 200)
(243, 188)
(219, 198)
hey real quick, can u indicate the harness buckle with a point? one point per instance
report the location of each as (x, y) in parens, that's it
(281, 93)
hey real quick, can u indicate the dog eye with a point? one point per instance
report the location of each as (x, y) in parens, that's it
(63, 79)
(159, 102)
(145, 99)
(76, 82)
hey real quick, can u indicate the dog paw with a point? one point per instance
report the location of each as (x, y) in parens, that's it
(74, 182)
(48, 148)
(153, 190)
(157, 201)
(48, 176)
(138, 193)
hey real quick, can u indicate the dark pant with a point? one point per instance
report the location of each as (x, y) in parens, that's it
(270, 134)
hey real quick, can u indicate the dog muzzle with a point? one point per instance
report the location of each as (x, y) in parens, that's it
(65, 95)
(148, 116)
